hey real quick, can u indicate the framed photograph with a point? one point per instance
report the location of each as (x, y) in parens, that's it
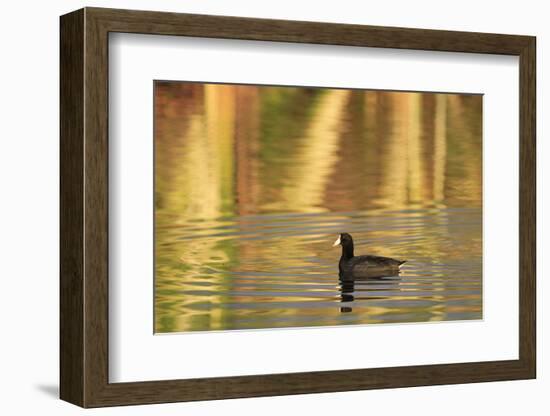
(255, 207)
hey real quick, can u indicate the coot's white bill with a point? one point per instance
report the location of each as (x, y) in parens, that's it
(337, 242)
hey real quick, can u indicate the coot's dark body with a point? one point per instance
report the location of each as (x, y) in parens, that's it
(368, 266)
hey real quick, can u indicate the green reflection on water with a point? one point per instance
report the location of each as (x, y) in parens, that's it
(252, 184)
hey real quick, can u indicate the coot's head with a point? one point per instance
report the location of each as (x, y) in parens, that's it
(343, 240)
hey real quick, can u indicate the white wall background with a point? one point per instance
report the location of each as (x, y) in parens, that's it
(29, 206)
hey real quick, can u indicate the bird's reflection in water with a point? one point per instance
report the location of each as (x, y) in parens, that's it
(347, 285)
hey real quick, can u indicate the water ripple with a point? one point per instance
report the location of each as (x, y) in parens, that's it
(282, 269)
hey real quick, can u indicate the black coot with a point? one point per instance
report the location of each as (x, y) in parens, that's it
(353, 267)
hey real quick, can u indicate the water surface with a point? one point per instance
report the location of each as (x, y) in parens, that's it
(253, 184)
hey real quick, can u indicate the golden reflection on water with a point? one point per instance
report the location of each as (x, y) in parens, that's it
(252, 185)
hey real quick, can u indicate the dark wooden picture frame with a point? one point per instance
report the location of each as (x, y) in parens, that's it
(84, 207)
